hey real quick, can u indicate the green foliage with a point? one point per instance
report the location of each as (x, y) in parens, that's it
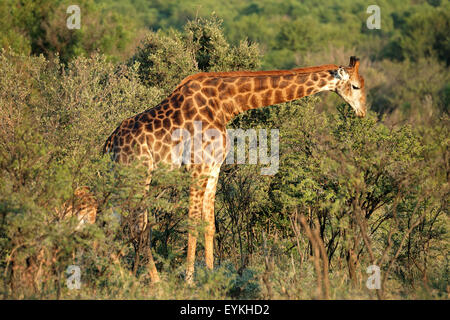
(424, 32)
(165, 59)
(413, 39)
(40, 27)
(376, 188)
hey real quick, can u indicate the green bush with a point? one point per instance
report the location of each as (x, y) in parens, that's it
(375, 192)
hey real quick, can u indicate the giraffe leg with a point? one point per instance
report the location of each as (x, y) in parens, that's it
(208, 215)
(151, 266)
(196, 194)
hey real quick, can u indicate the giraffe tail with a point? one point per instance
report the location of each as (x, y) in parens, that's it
(107, 146)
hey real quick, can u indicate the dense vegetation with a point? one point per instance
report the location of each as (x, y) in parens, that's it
(350, 192)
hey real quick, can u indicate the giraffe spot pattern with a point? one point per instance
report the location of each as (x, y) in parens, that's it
(199, 99)
(210, 92)
(261, 84)
(212, 100)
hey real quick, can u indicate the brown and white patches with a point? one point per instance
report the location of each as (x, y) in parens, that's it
(229, 80)
(242, 80)
(226, 91)
(211, 82)
(199, 99)
(300, 92)
(275, 81)
(283, 84)
(290, 92)
(278, 96)
(213, 98)
(260, 84)
(209, 92)
(214, 103)
(324, 74)
(141, 139)
(242, 100)
(177, 118)
(128, 139)
(322, 83)
(309, 90)
(167, 123)
(223, 87)
(207, 113)
(161, 115)
(188, 104)
(208, 213)
(301, 78)
(254, 101)
(245, 87)
(309, 83)
(190, 113)
(157, 124)
(228, 108)
(187, 91)
(195, 86)
(288, 77)
(267, 97)
(157, 145)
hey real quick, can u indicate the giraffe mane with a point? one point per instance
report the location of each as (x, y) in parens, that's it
(257, 73)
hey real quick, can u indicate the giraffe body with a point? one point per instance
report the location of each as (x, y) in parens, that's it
(84, 207)
(32, 271)
(213, 99)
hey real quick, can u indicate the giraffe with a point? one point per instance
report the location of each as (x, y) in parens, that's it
(213, 99)
(84, 206)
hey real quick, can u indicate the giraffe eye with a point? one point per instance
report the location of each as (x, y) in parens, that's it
(355, 87)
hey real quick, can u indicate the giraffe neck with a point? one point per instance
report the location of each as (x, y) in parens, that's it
(240, 92)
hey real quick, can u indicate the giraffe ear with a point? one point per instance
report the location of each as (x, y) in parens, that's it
(341, 74)
(354, 63)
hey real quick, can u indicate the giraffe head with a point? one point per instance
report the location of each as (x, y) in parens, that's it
(350, 86)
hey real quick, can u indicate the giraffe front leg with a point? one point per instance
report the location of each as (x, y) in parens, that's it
(192, 244)
(208, 216)
(154, 277)
(209, 241)
(195, 211)
(151, 266)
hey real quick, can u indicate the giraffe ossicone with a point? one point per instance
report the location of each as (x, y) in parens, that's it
(168, 133)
